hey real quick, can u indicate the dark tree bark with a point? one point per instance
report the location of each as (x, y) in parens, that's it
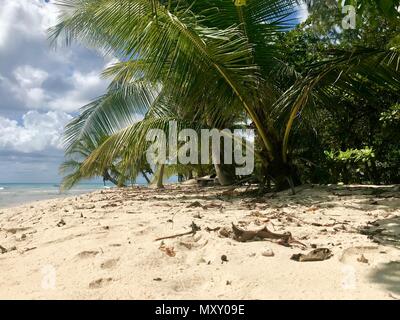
(160, 177)
(145, 176)
(108, 177)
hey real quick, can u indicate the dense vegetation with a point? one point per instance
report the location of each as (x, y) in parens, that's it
(324, 101)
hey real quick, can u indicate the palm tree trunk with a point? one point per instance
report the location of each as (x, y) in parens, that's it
(225, 174)
(108, 177)
(160, 177)
(145, 176)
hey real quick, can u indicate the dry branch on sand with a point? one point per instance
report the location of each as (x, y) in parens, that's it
(285, 239)
(194, 227)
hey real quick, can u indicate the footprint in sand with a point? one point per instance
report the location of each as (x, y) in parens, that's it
(87, 254)
(109, 264)
(99, 283)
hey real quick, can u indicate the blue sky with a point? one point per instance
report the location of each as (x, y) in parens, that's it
(40, 90)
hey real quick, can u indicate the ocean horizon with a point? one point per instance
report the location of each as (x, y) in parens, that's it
(17, 193)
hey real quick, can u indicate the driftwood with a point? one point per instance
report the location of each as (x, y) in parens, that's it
(194, 227)
(320, 254)
(246, 235)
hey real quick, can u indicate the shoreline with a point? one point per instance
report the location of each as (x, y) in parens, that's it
(14, 197)
(101, 245)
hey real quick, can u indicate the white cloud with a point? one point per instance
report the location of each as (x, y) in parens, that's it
(37, 132)
(37, 17)
(39, 86)
(86, 87)
(30, 77)
(28, 86)
(302, 13)
(34, 76)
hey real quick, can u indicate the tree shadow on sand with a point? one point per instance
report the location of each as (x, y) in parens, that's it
(384, 231)
(388, 275)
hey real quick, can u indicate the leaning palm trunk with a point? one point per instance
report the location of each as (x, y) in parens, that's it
(145, 176)
(108, 177)
(225, 174)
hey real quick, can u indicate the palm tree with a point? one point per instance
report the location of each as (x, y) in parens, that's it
(356, 71)
(72, 166)
(205, 63)
(207, 60)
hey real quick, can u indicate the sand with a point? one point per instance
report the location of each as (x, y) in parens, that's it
(102, 245)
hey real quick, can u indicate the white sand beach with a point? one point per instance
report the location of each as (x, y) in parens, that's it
(102, 245)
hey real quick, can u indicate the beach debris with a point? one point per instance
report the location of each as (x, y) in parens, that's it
(96, 284)
(61, 223)
(267, 253)
(28, 249)
(285, 239)
(394, 296)
(257, 214)
(362, 259)
(169, 251)
(157, 279)
(311, 209)
(87, 254)
(228, 282)
(224, 258)
(194, 227)
(213, 205)
(320, 254)
(115, 244)
(21, 237)
(373, 223)
(208, 229)
(3, 250)
(225, 232)
(15, 230)
(110, 205)
(84, 207)
(187, 245)
(195, 204)
(109, 264)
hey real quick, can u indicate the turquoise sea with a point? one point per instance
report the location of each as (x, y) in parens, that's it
(12, 194)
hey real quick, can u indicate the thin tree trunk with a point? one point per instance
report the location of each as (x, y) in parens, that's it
(108, 177)
(225, 172)
(160, 177)
(145, 176)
